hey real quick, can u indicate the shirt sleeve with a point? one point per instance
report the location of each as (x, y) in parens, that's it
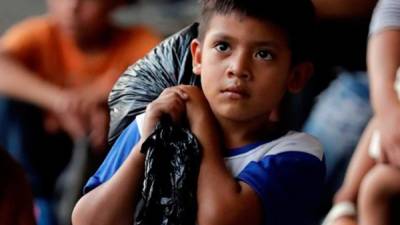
(116, 157)
(22, 40)
(289, 185)
(386, 15)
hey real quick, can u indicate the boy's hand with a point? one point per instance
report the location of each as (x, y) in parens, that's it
(171, 102)
(196, 103)
(200, 117)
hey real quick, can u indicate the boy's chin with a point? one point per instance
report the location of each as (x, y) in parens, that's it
(232, 116)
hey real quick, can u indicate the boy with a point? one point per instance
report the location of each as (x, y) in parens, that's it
(248, 54)
(64, 63)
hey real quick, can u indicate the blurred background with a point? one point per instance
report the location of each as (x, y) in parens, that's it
(165, 16)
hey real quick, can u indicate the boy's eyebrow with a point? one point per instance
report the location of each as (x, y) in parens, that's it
(267, 43)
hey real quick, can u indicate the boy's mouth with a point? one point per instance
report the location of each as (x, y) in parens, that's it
(235, 92)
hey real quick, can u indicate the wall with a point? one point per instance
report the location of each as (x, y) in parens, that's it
(166, 16)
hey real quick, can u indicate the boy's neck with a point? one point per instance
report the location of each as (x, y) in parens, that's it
(240, 133)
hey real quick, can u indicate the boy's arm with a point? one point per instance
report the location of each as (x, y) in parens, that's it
(114, 201)
(221, 198)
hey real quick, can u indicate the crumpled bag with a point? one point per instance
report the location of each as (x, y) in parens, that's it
(167, 65)
(171, 170)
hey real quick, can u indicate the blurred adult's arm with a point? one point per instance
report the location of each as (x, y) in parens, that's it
(19, 83)
(383, 62)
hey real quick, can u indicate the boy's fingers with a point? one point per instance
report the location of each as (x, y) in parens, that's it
(183, 94)
(170, 92)
(177, 109)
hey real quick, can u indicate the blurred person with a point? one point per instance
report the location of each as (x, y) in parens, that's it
(56, 71)
(342, 106)
(16, 202)
(372, 186)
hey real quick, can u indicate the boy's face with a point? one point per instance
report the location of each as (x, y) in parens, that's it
(245, 67)
(80, 17)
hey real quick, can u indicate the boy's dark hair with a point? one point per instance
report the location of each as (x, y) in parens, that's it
(295, 17)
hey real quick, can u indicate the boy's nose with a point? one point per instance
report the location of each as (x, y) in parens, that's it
(239, 66)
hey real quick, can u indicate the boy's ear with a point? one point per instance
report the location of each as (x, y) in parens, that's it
(195, 49)
(300, 75)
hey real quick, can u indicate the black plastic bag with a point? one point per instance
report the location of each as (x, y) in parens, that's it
(167, 65)
(171, 170)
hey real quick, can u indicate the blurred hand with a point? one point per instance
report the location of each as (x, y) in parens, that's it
(390, 136)
(89, 97)
(63, 115)
(98, 127)
(70, 123)
(79, 115)
(345, 220)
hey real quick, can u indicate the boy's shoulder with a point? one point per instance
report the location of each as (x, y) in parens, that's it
(299, 142)
(297, 146)
(292, 141)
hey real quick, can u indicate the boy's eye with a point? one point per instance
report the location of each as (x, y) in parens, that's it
(264, 54)
(222, 46)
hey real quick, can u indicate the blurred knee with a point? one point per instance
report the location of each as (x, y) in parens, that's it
(378, 186)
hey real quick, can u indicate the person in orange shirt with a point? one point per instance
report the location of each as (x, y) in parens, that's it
(56, 71)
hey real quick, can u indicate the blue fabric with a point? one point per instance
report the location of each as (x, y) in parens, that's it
(341, 113)
(46, 215)
(243, 149)
(288, 183)
(117, 155)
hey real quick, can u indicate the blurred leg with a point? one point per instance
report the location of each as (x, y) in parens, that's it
(361, 163)
(379, 187)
